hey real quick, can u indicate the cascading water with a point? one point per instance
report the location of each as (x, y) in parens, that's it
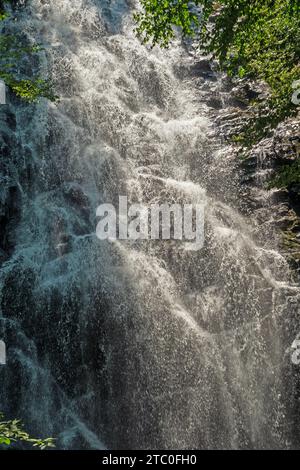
(145, 344)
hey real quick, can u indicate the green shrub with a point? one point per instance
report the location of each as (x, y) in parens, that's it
(12, 432)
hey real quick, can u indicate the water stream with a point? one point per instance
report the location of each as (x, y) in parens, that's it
(137, 344)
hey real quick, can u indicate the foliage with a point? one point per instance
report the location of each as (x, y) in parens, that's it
(287, 176)
(156, 22)
(15, 56)
(12, 431)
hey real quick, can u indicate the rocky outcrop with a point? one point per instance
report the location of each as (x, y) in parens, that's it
(263, 161)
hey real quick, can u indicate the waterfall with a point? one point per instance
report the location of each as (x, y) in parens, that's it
(129, 345)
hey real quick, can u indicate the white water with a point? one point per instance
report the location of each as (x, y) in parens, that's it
(143, 345)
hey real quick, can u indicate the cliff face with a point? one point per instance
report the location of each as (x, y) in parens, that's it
(273, 155)
(259, 166)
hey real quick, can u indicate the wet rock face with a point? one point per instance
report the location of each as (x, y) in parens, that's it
(9, 191)
(272, 155)
(245, 91)
(260, 164)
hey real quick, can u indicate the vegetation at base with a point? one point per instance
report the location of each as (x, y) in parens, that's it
(15, 58)
(12, 432)
(257, 39)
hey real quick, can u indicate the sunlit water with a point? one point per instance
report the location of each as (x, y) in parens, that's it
(145, 344)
